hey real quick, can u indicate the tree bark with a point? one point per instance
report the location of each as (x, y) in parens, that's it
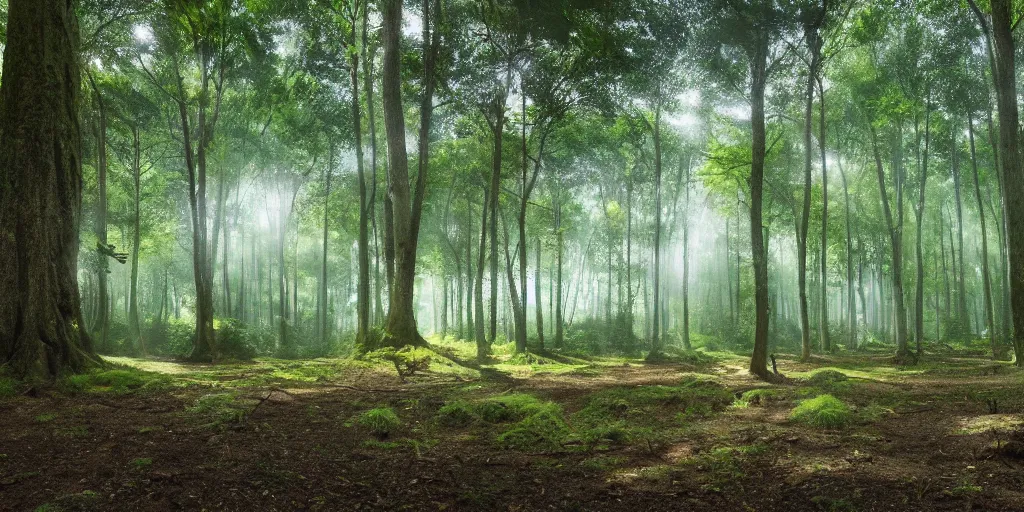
(990, 323)
(41, 193)
(759, 77)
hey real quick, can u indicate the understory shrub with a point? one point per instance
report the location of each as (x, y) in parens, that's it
(823, 411)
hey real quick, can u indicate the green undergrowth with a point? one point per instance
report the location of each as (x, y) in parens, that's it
(120, 380)
(380, 421)
(760, 396)
(823, 411)
(220, 409)
(624, 415)
(8, 387)
(723, 466)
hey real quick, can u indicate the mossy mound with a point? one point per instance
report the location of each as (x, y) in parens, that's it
(823, 411)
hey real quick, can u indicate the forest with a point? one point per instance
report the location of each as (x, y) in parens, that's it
(511, 255)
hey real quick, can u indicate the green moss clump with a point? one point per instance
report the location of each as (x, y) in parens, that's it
(823, 411)
(545, 430)
(513, 407)
(761, 396)
(380, 421)
(8, 387)
(118, 381)
(456, 414)
(831, 380)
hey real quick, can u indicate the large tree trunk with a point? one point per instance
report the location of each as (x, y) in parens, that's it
(407, 206)
(41, 193)
(1005, 78)
(990, 324)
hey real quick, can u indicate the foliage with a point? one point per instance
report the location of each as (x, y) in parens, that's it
(823, 411)
(380, 421)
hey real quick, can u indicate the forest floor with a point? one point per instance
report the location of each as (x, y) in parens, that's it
(532, 433)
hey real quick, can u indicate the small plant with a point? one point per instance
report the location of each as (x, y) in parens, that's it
(823, 411)
(46, 417)
(380, 421)
(142, 462)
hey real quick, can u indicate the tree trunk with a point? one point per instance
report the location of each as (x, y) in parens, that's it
(990, 324)
(919, 212)
(537, 298)
(133, 299)
(482, 347)
(655, 340)
(759, 76)
(851, 299)
(895, 230)
(401, 322)
(40, 200)
(102, 321)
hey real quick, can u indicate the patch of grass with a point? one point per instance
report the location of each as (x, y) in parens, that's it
(456, 414)
(545, 430)
(829, 380)
(380, 421)
(119, 381)
(46, 417)
(823, 411)
(513, 407)
(219, 408)
(759, 396)
(603, 462)
(142, 462)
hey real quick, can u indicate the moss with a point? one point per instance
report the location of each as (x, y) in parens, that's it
(823, 411)
(118, 381)
(456, 414)
(829, 380)
(380, 421)
(142, 462)
(545, 430)
(46, 417)
(8, 387)
(219, 408)
(513, 407)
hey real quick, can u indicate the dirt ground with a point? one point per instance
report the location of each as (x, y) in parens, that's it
(266, 436)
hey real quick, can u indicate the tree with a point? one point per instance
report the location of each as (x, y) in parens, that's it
(41, 332)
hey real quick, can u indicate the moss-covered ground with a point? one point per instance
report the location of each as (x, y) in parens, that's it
(424, 430)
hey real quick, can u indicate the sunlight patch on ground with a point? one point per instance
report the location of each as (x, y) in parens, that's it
(149, 365)
(991, 422)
